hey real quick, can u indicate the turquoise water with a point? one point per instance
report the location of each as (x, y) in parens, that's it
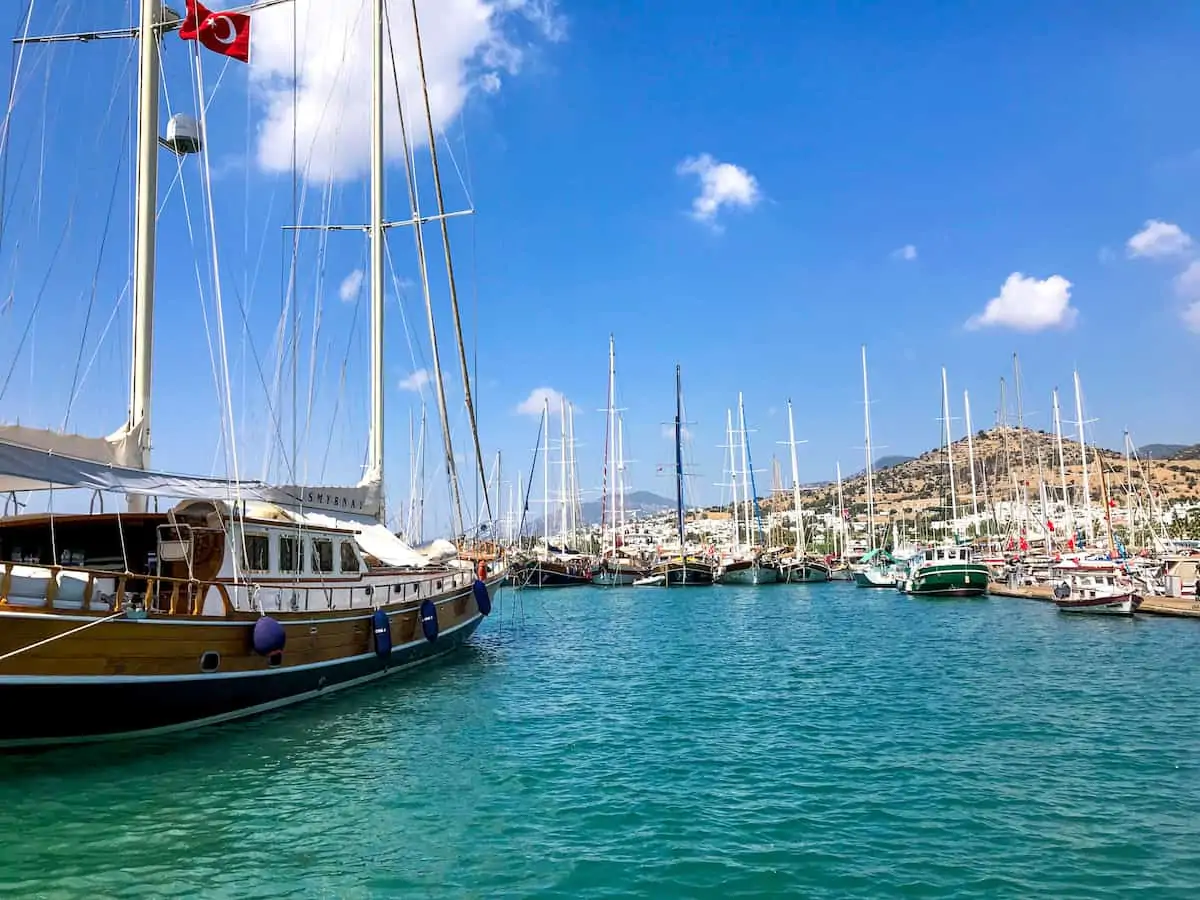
(809, 741)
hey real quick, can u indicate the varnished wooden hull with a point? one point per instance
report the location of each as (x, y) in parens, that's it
(126, 678)
(104, 708)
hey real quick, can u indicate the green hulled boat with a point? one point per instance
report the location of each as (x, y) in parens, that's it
(947, 572)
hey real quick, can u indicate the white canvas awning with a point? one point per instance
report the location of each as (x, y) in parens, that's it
(37, 460)
(372, 538)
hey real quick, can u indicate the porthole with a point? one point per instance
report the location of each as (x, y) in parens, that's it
(210, 661)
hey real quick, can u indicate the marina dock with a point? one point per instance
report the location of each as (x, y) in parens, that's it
(1177, 607)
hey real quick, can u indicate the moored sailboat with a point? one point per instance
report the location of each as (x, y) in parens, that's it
(614, 566)
(950, 570)
(684, 569)
(800, 567)
(745, 563)
(1099, 589)
(242, 596)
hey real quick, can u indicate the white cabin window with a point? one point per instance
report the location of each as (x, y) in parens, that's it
(322, 555)
(289, 555)
(256, 550)
(349, 558)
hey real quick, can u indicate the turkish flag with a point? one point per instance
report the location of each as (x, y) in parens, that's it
(227, 33)
(1049, 524)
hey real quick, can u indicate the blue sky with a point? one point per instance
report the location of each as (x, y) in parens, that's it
(991, 139)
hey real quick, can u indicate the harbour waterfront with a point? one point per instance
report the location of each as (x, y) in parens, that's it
(803, 740)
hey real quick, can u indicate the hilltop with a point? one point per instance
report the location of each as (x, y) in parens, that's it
(919, 484)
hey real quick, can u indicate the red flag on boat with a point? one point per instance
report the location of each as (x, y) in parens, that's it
(1024, 543)
(1049, 525)
(227, 33)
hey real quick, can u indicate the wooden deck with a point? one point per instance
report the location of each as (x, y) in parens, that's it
(1178, 607)
(1042, 592)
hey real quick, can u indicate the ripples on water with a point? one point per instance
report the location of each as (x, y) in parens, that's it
(816, 741)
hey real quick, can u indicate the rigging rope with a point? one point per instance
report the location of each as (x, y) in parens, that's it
(58, 637)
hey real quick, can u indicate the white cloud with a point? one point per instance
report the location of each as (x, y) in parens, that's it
(1158, 239)
(721, 185)
(333, 60)
(668, 432)
(1187, 286)
(489, 82)
(350, 285)
(538, 397)
(1191, 317)
(1029, 304)
(907, 253)
(416, 381)
(1187, 282)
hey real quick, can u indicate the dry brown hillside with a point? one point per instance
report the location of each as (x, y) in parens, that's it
(920, 483)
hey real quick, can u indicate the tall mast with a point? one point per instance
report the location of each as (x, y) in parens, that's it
(610, 446)
(971, 459)
(1021, 444)
(841, 513)
(573, 479)
(1087, 487)
(733, 482)
(746, 492)
(374, 473)
(870, 461)
(138, 424)
(562, 465)
(1062, 467)
(949, 456)
(1012, 475)
(795, 484)
(421, 478)
(1112, 549)
(546, 474)
(407, 524)
(442, 221)
(1129, 494)
(620, 473)
(434, 352)
(679, 464)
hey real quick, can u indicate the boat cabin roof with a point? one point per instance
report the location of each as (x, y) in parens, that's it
(948, 554)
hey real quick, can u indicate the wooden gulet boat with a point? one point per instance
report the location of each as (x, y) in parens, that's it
(243, 596)
(241, 614)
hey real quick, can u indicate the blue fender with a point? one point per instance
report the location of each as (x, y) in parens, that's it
(381, 628)
(482, 599)
(429, 622)
(269, 637)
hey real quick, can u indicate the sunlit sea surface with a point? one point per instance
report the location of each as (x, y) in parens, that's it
(806, 741)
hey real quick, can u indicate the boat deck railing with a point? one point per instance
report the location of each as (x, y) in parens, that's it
(68, 589)
(76, 589)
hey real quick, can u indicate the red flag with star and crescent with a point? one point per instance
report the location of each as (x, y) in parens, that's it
(227, 33)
